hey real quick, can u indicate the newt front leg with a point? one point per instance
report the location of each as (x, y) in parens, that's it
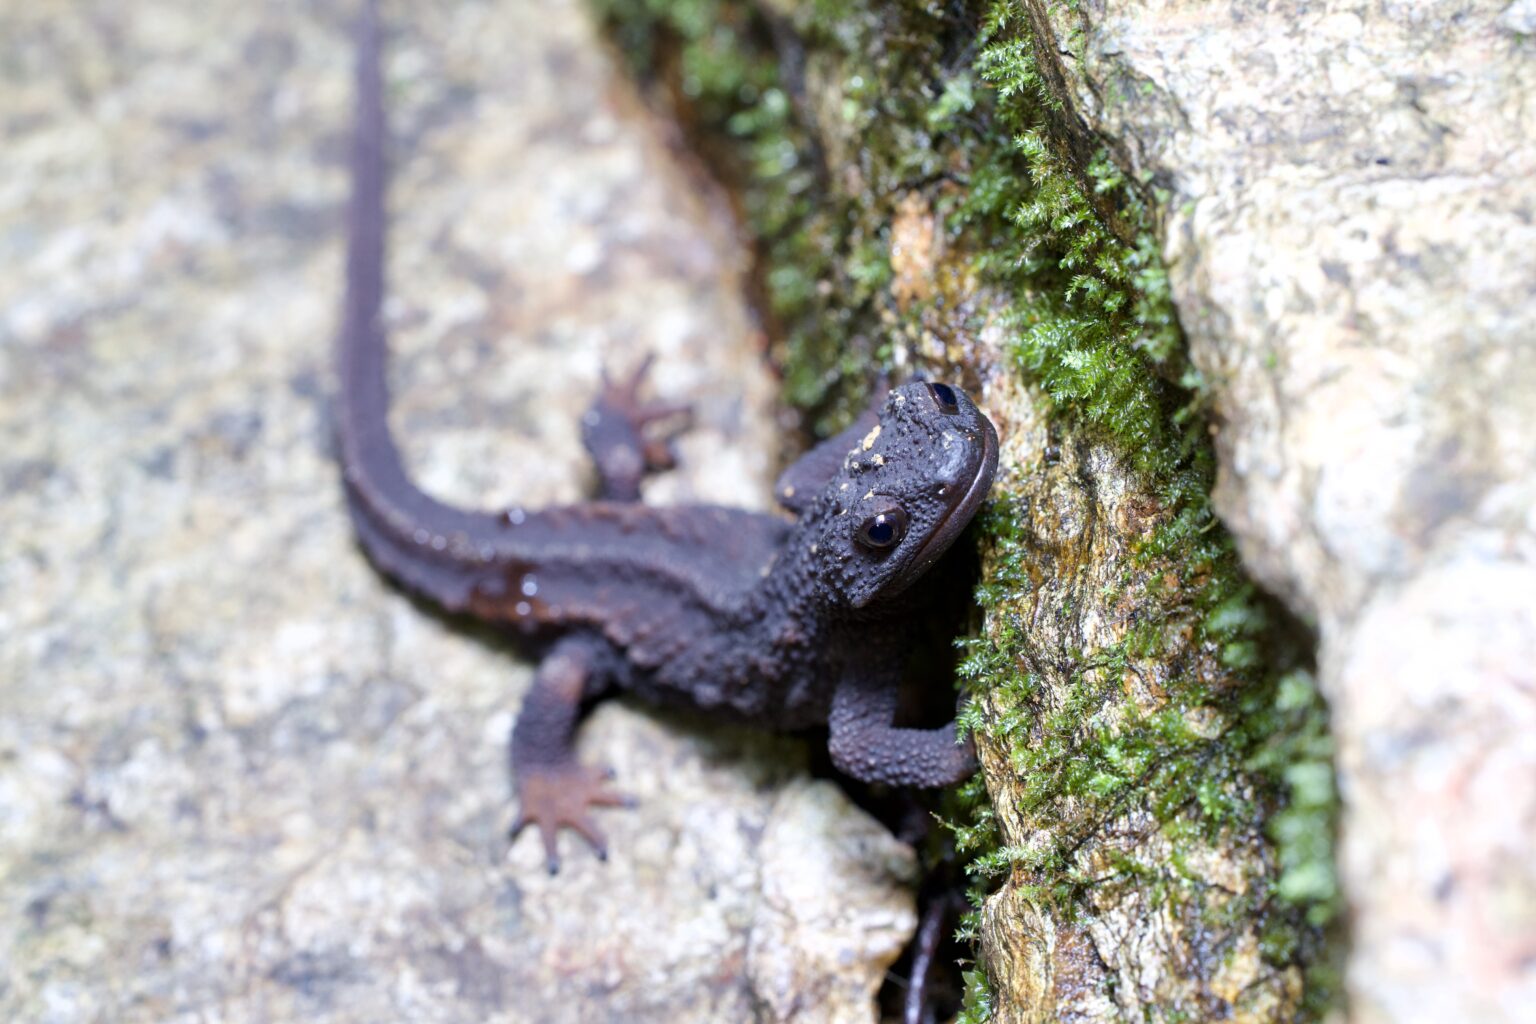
(865, 744)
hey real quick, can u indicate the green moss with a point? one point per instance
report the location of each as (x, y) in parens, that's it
(977, 1008)
(822, 117)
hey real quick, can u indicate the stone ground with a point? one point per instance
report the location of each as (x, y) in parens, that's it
(241, 779)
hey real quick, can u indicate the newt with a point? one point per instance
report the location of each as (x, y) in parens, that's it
(787, 621)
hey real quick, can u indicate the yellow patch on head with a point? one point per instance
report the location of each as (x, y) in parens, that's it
(869, 438)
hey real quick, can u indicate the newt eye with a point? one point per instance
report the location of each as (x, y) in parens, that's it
(945, 396)
(883, 529)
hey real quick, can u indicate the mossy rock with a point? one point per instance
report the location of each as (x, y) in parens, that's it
(1157, 799)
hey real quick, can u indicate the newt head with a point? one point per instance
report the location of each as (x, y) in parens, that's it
(905, 492)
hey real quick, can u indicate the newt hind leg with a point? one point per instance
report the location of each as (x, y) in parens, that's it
(554, 789)
(621, 433)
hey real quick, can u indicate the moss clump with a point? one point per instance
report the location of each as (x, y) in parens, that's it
(977, 1007)
(824, 117)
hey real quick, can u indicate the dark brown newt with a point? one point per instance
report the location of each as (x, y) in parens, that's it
(787, 622)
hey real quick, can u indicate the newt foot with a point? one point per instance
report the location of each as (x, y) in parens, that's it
(619, 407)
(562, 797)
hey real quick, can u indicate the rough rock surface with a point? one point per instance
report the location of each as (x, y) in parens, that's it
(1168, 921)
(240, 778)
(1350, 228)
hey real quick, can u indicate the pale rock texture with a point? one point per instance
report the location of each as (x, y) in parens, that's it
(820, 915)
(241, 779)
(1350, 223)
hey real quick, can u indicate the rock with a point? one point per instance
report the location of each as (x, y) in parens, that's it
(1120, 647)
(1350, 218)
(239, 775)
(823, 914)
(1165, 916)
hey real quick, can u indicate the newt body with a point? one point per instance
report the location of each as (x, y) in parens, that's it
(786, 623)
